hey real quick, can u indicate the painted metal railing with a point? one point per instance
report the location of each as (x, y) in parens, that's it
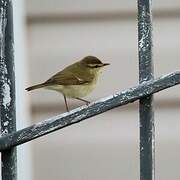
(7, 89)
(10, 138)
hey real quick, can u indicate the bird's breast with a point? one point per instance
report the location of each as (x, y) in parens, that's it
(74, 91)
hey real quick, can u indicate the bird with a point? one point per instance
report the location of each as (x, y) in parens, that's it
(76, 80)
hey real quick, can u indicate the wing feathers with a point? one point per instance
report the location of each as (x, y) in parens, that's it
(67, 78)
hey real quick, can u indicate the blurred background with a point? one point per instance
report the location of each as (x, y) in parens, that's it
(52, 34)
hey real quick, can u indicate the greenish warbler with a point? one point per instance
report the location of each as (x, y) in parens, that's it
(75, 81)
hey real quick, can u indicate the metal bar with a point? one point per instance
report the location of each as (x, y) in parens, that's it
(7, 88)
(98, 16)
(84, 112)
(147, 138)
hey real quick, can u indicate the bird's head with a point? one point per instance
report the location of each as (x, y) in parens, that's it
(93, 63)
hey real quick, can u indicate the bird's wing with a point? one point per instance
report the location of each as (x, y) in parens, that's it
(68, 78)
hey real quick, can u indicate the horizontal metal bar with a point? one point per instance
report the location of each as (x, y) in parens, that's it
(84, 112)
(97, 16)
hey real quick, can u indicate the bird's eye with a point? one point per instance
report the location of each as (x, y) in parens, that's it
(93, 66)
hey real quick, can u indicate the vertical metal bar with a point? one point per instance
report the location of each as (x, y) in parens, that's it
(7, 88)
(147, 137)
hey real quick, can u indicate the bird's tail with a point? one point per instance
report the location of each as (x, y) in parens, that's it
(36, 87)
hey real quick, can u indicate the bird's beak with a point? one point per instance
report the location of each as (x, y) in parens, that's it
(106, 64)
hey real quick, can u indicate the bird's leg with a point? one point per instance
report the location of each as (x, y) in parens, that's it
(87, 102)
(65, 100)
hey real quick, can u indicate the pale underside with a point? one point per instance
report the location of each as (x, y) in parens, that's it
(74, 91)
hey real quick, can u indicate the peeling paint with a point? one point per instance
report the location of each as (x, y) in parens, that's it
(3, 23)
(6, 95)
(4, 132)
(146, 74)
(7, 91)
(6, 123)
(144, 29)
(6, 98)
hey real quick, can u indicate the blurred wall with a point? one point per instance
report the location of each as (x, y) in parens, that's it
(22, 103)
(104, 147)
